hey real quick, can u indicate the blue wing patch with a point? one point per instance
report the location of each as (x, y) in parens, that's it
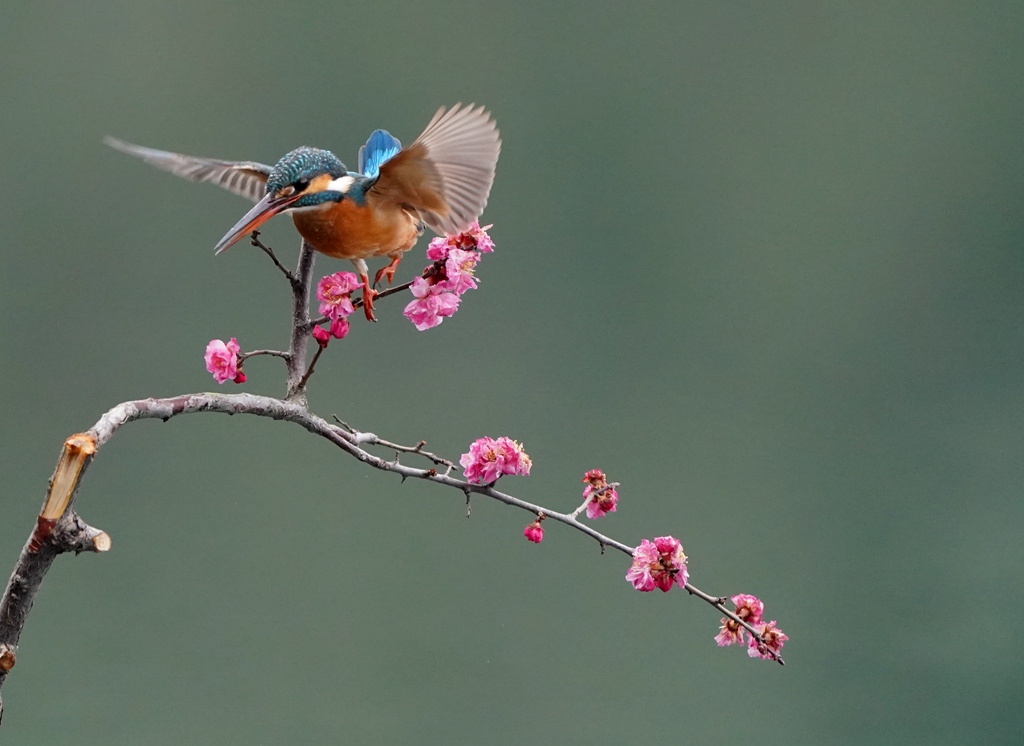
(378, 149)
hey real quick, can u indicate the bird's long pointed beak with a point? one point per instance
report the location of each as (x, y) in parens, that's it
(263, 211)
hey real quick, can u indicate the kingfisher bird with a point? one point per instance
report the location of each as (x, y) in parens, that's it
(442, 181)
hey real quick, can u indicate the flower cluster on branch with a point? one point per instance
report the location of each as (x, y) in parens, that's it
(335, 295)
(439, 290)
(750, 609)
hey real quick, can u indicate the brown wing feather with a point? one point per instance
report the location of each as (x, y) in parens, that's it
(245, 178)
(445, 176)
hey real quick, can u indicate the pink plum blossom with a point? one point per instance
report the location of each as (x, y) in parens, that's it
(459, 271)
(480, 465)
(730, 633)
(601, 498)
(658, 564)
(438, 248)
(222, 360)
(773, 640)
(488, 459)
(334, 292)
(534, 532)
(475, 237)
(512, 458)
(602, 503)
(749, 609)
(432, 304)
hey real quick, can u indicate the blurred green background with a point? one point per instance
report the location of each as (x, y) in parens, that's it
(760, 262)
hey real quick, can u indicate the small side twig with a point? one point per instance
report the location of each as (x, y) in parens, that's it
(242, 356)
(255, 241)
(372, 439)
(312, 365)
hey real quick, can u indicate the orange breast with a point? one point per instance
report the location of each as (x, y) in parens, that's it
(347, 231)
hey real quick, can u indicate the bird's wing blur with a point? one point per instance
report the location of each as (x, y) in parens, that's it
(445, 176)
(245, 178)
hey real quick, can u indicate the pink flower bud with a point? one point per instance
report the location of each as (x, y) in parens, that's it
(321, 335)
(534, 532)
(239, 377)
(339, 328)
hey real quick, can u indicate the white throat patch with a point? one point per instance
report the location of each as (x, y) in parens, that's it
(341, 184)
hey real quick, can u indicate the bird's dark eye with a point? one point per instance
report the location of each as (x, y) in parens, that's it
(301, 184)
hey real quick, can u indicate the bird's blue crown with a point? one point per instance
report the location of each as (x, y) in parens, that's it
(304, 163)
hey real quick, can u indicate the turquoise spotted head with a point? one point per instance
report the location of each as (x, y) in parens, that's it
(305, 177)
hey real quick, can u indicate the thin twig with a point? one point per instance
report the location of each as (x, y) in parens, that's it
(312, 364)
(343, 423)
(255, 241)
(275, 353)
(361, 438)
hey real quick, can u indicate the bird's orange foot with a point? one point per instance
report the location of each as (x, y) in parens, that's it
(368, 295)
(388, 270)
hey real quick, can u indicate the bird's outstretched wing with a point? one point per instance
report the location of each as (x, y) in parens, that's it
(445, 176)
(245, 178)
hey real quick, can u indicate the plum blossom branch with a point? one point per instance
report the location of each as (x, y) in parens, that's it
(60, 530)
(437, 291)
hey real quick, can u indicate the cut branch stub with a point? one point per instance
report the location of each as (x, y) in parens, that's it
(78, 450)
